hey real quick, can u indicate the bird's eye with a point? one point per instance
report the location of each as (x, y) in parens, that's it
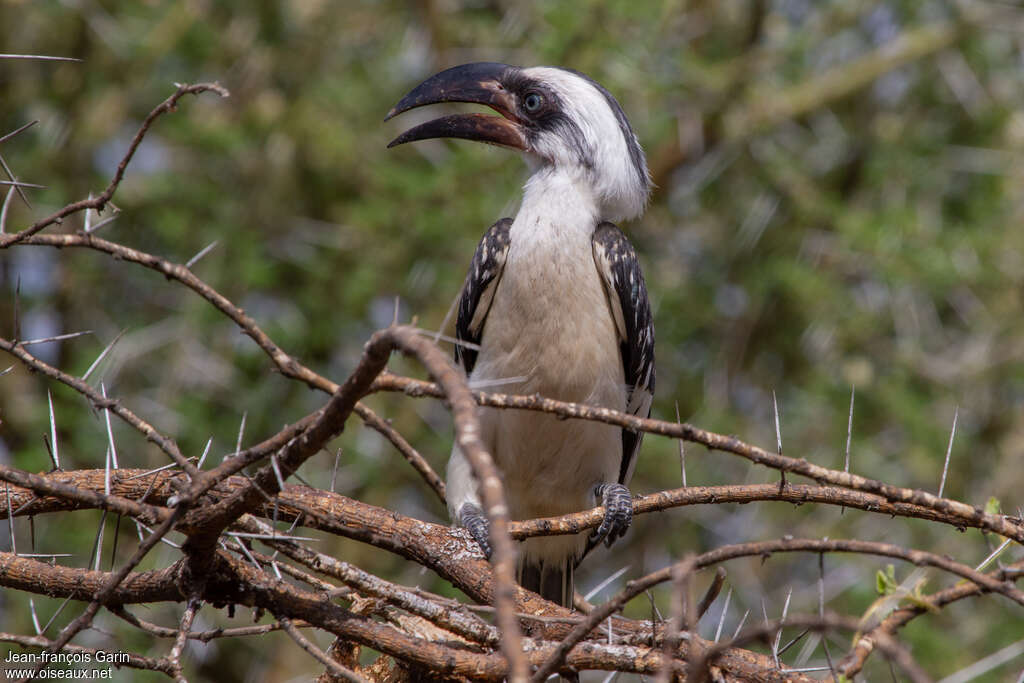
(533, 102)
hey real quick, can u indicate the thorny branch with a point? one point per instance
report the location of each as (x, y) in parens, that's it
(97, 203)
(458, 643)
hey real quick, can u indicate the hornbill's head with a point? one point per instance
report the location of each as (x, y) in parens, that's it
(562, 120)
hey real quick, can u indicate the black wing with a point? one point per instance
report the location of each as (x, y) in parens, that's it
(478, 292)
(627, 297)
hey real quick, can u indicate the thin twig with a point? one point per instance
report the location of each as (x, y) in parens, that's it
(14, 132)
(418, 462)
(165, 444)
(896, 652)
(174, 656)
(101, 200)
(318, 654)
(972, 516)
(84, 619)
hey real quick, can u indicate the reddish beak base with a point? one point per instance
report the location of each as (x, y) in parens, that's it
(478, 83)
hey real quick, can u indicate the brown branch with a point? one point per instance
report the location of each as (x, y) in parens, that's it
(767, 548)
(458, 559)
(181, 274)
(42, 578)
(205, 636)
(454, 556)
(333, 509)
(209, 520)
(126, 484)
(75, 490)
(166, 444)
(101, 200)
(286, 364)
(787, 545)
(967, 514)
(452, 618)
(467, 437)
(181, 637)
(318, 654)
(896, 652)
(439, 659)
(334, 513)
(283, 600)
(448, 551)
(854, 661)
(797, 494)
(418, 462)
(110, 586)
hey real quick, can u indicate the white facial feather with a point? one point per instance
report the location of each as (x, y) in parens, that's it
(619, 188)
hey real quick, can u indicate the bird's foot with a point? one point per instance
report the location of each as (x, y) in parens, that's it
(618, 513)
(475, 521)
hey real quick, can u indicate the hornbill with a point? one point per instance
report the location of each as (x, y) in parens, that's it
(554, 304)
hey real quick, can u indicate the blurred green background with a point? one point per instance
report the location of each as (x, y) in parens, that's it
(839, 205)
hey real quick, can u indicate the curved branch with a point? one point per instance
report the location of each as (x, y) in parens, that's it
(166, 444)
(412, 456)
(286, 364)
(452, 618)
(767, 548)
(797, 494)
(337, 514)
(896, 652)
(450, 552)
(101, 200)
(968, 515)
(854, 660)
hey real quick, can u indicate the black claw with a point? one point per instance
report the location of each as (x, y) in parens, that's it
(618, 513)
(475, 522)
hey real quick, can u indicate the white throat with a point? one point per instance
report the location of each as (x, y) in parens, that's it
(559, 200)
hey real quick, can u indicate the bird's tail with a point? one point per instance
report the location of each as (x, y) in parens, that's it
(552, 580)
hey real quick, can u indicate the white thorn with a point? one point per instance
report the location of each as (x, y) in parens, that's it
(949, 451)
(53, 432)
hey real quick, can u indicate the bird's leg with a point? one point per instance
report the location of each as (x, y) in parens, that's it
(618, 513)
(475, 521)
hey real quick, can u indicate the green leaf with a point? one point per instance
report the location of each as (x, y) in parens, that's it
(992, 507)
(885, 582)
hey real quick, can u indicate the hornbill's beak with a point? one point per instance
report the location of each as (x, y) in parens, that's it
(477, 83)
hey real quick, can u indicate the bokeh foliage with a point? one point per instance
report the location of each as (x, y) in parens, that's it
(872, 241)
